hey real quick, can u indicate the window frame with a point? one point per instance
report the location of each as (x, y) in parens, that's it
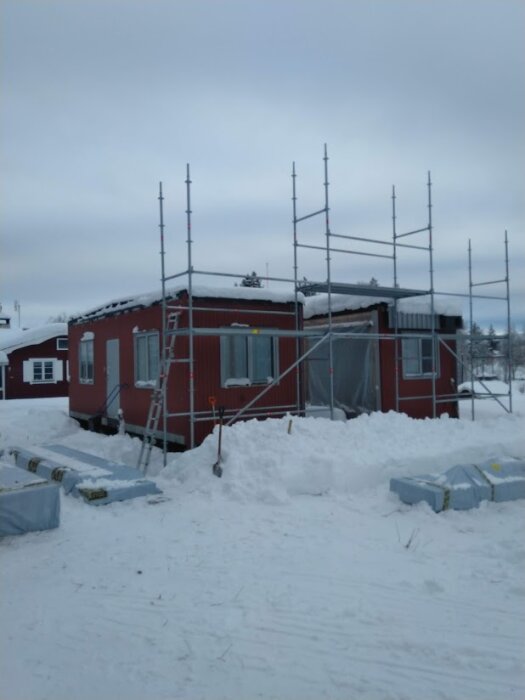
(44, 365)
(42, 370)
(59, 340)
(420, 358)
(250, 342)
(152, 367)
(86, 361)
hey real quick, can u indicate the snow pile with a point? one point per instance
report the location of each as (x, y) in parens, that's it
(262, 462)
(318, 305)
(198, 292)
(242, 587)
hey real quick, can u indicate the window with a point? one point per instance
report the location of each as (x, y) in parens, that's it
(146, 359)
(62, 344)
(247, 360)
(417, 357)
(43, 371)
(86, 356)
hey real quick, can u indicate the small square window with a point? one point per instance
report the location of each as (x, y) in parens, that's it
(62, 343)
(249, 359)
(417, 357)
(146, 358)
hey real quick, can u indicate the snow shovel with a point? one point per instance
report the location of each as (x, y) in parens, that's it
(217, 469)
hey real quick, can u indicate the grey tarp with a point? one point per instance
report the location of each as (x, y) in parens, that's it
(28, 502)
(464, 486)
(355, 371)
(95, 479)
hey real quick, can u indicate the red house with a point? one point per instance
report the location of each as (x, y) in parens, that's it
(115, 350)
(368, 357)
(34, 362)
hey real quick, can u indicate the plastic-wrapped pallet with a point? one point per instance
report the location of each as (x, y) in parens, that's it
(96, 480)
(464, 486)
(28, 502)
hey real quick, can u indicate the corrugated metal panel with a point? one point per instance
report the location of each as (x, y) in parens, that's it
(412, 321)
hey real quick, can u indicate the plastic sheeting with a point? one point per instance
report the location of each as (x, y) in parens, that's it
(464, 486)
(96, 480)
(28, 503)
(355, 372)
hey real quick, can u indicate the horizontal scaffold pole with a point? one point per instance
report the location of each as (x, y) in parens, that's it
(411, 233)
(309, 216)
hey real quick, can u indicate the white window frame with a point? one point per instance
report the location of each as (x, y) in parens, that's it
(86, 361)
(146, 369)
(247, 344)
(43, 370)
(414, 352)
(61, 341)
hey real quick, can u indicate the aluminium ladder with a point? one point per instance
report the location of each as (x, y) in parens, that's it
(158, 394)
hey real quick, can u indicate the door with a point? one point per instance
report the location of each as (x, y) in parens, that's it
(112, 378)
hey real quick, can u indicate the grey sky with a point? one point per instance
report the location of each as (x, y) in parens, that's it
(102, 99)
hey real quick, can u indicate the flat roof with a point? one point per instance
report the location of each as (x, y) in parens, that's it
(364, 290)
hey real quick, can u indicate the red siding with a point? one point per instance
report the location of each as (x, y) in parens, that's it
(16, 388)
(89, 399)
(415, 408)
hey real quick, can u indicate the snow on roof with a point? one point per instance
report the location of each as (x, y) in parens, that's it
(198, 291)
(11, 340)
(3, 358)
(318, 305)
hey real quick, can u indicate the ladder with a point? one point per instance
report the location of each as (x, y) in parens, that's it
(157, 396)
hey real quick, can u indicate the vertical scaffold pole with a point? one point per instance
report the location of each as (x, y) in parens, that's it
(396, 324)
(432, 304)
(471, 329)
(509, 346)
(191, 363)
(163, 340)
(329, 286)
(295, 277)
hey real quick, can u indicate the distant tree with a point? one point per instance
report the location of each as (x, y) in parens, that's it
(59, 318)
(373, 282)
(251, 280)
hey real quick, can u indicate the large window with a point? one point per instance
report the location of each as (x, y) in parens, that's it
(43, 371)
(86, 359)
(146, 359)
(247, 360)
(417, 357)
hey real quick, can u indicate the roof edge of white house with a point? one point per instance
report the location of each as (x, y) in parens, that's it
(11, 340)
(198, 291)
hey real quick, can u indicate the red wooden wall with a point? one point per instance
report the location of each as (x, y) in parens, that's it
(418, 408)
(16, 388)
(87, 399)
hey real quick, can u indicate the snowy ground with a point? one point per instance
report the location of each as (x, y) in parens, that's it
(298, 575)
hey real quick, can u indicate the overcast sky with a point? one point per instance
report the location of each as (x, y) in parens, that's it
(101, 100)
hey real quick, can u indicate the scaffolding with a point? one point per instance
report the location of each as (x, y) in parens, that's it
(329, 286)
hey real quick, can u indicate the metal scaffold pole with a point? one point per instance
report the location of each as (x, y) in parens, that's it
(163, 333)
(296, 280)
(471, 329)
(329, 286)
(191, 383)
(396, 320)
(509, 329)
(433, 318)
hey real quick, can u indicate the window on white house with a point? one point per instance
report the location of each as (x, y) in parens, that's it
(62, 344)
(43, 371)
(86, 359)
(417, 357)
(247, 360)
(146, 358)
